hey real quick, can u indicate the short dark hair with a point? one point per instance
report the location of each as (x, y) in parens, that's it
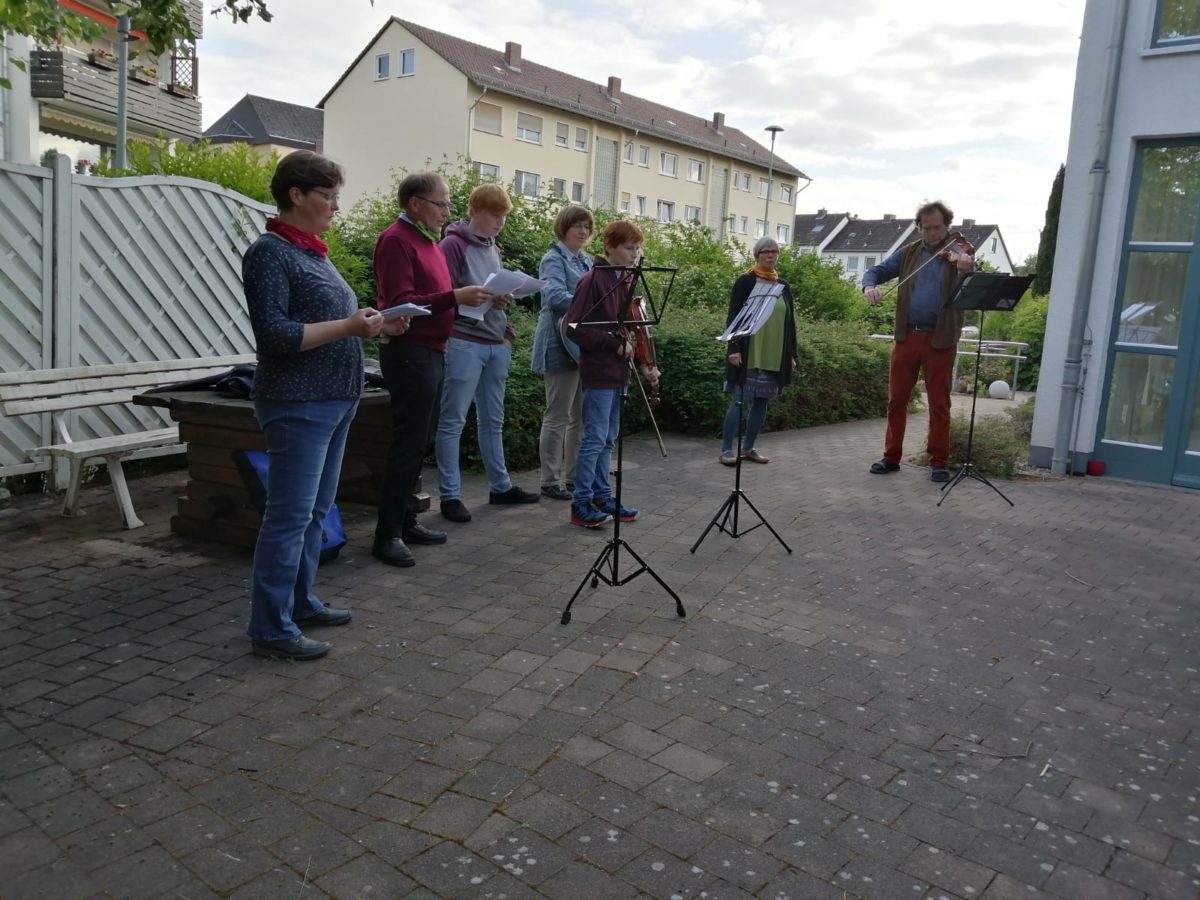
(621, 231)
(305, 170)
(417, 185)
(570, 216)
(934, 206)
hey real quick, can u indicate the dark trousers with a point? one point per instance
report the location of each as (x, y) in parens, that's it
(413, 375)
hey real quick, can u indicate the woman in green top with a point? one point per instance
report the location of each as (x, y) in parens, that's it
(758, 366)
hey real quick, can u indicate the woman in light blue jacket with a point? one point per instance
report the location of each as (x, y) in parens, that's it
(562, 267)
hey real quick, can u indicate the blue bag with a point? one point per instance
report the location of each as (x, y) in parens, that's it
(253, 465)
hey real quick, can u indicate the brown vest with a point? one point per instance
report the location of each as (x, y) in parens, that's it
(948, 328)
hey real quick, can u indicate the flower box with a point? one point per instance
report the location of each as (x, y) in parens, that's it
(144, 74)
(103, 59)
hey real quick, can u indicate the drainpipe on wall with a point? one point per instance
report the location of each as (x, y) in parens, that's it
(1072, 385)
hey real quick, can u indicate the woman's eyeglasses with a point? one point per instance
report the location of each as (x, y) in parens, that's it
(331, 199)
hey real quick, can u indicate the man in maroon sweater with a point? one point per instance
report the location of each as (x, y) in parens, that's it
(410, 268)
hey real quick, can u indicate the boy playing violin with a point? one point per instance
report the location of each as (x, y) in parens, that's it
(927, 331)
(606, 358)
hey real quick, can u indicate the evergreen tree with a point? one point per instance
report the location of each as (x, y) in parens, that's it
(1049, 238)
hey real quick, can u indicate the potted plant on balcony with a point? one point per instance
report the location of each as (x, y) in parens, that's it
(104, 59)
(144, 73)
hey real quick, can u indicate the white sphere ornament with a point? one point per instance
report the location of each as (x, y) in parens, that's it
(999, 390)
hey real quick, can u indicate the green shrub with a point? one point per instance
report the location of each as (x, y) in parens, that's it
(1000, 444)
(236, 166)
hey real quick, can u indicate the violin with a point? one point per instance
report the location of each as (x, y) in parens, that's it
(644, 355)
(956, 247)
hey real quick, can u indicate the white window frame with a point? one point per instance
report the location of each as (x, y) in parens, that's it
(671, 170)
(520, 183)
(524, 131)
(746, 181)
(623, 206)
(558, 187)
(408, 63)
(868, 262)
(667, 207)
(562, 135)
(383, 72)
(487, 171)
(641, 204)
(578, 192)
(783, 234)
(628, 152)
(785, 193)
(644, 155)
(582, 138)
(764, 188)
(735, 185)
(696, 171)
(693, 214)
(852, 263)
(743, 224)
(477, 125)
(760, 228)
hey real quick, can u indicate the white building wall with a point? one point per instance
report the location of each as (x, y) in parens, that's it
(1156, 98)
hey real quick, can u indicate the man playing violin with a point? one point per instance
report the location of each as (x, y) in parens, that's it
(606, 358)
(926, 333)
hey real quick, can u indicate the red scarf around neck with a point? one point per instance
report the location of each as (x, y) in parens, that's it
(302, 239)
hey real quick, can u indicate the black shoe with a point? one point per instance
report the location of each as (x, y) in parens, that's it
(393, 552)
(513, 495)
(456, 511)
(554, 492)
(328, 616)
(416, 533)
(299, 648)
(939, 473)
(884, 466)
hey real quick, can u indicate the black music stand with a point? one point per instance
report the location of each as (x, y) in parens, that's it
(607, 566)
(729, 509)
(983, 291)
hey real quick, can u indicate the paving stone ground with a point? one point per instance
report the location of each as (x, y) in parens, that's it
(973, 701)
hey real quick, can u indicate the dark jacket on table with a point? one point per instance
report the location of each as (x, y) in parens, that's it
(737, 299)
(599, 297)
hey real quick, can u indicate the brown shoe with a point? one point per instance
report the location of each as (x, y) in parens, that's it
(754, 456)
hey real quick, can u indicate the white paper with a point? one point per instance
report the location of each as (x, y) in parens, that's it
(518, 284)
(404, 309)
(754, 313)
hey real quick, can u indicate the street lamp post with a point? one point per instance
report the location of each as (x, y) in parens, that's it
(774, 129)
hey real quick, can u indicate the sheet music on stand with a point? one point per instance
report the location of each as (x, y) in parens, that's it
(754, 312)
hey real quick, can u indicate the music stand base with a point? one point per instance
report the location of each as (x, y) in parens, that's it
(612, 578)
(729, 510)
(965, 471)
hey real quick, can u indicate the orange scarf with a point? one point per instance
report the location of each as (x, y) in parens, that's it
(764, 274)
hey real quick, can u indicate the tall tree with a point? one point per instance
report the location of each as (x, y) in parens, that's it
(1049, 238)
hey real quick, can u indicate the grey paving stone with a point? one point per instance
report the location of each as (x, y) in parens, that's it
(948, 871)
(365, 876)
(453, 816)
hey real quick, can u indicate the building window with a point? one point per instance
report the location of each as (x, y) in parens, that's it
(745, 181)
(576, 192)
(868, 262)
(529, 128)
(644, 155)
(666, 211)
(628, 152)
(785, 193)
(526, 183)
(383, 66)
(487, 118)
(764, 188)
(743, 224)
(851, 263)
(408, 62)
(624, 206)
(691, 214)
(695, 170)
(641, 205)
(736, 185)
(993, 245)
(668, 164)
(760, 228)
(1176, 22)
(562, 134)
(487, 172)
(558, 187)
(581, 139)
(783, 234)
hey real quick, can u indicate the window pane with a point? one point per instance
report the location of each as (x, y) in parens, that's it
(382, 65)
(562, 134)
(1137, 398)
(1168, 194)
(1153, 300)
(1180, 20)
(529, 128)
(408, 62)
(581, 139)
(576, 192)
(487, 118)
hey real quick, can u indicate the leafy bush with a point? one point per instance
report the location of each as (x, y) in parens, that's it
(999, 445)
(236, 166)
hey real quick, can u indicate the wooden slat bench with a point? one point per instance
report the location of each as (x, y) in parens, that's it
(58, 391)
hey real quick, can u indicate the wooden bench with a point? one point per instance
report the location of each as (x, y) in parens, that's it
(59, 391)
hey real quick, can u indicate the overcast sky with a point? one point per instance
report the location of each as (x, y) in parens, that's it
(883, 104)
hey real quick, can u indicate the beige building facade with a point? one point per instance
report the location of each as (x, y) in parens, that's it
(415, 97)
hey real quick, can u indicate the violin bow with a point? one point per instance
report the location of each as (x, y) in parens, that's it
(955, 237)
(662, 448)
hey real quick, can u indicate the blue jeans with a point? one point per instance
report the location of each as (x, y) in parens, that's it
(601, 422)
(305, 444)
(754, 423)
(476, 372)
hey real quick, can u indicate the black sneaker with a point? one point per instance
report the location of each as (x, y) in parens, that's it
(297, 648)
(554, 492)
(884, 467)
(513, 495)
(455, 510)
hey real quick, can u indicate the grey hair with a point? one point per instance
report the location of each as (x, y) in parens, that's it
(765, 243)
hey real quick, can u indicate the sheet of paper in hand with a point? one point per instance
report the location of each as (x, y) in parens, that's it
(404, 309)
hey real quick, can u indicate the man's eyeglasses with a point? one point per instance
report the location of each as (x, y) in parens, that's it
(441, 204)
(331, 199)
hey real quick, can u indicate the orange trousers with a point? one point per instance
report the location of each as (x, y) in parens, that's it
(909, 357)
